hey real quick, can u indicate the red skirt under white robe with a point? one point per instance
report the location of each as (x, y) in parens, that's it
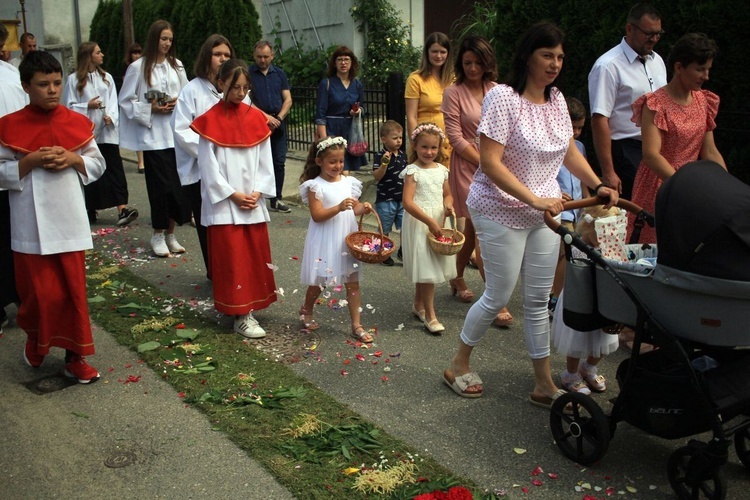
(240, 260)
(54, 310)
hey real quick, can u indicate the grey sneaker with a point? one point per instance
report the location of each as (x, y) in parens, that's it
(278, 206)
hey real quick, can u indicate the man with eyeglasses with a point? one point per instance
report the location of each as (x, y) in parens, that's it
(618, 78)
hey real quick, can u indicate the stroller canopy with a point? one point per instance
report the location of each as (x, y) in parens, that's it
(703, 222)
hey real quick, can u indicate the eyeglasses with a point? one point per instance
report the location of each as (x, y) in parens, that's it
(649, 35)
(343, 59)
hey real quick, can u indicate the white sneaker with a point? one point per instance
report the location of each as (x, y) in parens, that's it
(174, 245)
(247, 326)
(159, 246)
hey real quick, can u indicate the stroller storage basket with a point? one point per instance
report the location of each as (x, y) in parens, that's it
(580, 310)
(662, 399)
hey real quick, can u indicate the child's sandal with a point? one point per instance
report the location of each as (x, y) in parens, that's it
(307, 320)
(359, 333)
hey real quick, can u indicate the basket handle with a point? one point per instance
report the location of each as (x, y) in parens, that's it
(380, 228)
(453, 226)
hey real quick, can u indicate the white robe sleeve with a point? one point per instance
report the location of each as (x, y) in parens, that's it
(131, 103)
(9, 176)
(265, 177)
(93, 161)
(183, 115)
(113, 111)
(212, 179)
(70, 97)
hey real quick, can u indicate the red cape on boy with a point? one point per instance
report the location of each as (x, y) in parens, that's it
(32, 127)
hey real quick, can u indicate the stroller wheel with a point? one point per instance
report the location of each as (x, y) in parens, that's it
(580, 428)
(742, 446)
(690, 480)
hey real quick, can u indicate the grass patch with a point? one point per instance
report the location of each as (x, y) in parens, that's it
(314, 445)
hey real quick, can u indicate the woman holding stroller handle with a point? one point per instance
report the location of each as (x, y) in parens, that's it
(677, 122)
(525, 135)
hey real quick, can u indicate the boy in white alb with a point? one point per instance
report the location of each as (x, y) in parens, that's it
(47, 154)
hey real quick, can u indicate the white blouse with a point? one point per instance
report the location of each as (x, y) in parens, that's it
(139, 129)
(95, 86)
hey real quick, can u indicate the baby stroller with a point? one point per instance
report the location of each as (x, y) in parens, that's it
(694, 305)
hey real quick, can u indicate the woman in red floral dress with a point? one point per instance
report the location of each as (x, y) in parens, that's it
(677, 122)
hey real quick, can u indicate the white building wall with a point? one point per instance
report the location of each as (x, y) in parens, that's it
(292, 22)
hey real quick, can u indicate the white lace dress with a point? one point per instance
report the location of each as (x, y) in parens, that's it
(421, 264)
(326, 259)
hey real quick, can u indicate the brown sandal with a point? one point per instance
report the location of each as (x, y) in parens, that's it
(307, 320)
(503, 319)
(461, 291)
(359, 333)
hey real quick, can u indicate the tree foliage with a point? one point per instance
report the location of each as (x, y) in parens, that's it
(193, 22)
(388, 46)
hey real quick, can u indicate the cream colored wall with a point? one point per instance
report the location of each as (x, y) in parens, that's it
(334, 23)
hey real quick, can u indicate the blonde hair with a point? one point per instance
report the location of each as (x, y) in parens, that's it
(427, 128)
(585, 226)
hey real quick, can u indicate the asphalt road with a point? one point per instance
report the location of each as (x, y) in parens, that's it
(55, 445)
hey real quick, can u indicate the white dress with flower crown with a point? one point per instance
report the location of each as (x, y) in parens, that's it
(326, 259)
(421, 264)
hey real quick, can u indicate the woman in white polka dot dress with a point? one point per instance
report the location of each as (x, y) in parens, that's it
(525, 135)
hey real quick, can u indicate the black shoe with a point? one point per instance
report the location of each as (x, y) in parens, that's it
(127, 215)
(399, 255)
(92, 216)
(388, 262)
(278, 206)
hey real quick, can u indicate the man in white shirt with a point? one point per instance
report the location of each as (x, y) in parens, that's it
(28, 44)
(618, 78)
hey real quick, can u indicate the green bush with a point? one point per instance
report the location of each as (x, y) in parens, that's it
(388, 47)
(303, 67)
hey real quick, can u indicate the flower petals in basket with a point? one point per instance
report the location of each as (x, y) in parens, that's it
(449, 243)
(368, 246)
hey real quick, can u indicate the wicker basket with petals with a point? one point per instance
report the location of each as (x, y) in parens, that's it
(356, 240)
(451, 247)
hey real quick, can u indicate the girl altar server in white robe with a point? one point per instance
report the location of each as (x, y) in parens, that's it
(147, 99)
(236, 167)
(91, 92)
(196, 98)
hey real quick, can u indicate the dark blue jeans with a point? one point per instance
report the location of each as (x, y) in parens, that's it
(278, 151)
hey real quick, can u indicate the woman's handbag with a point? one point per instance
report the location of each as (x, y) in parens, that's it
(357, 145)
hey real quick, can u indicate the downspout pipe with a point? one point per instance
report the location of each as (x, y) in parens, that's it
(77, 19)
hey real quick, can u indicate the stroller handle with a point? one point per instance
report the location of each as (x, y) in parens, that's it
(553, 224)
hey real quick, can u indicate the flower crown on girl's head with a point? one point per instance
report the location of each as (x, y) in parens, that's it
(328, 142)
(427, 126)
